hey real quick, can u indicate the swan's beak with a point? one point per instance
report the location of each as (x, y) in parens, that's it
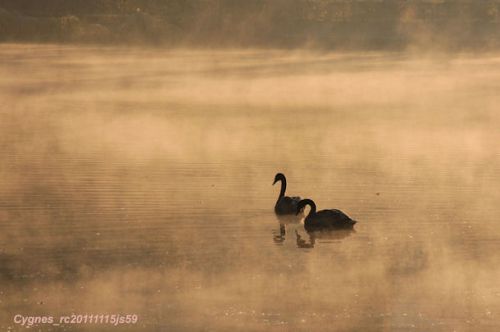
(274, 182)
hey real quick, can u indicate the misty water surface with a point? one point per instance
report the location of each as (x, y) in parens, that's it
(139, 181)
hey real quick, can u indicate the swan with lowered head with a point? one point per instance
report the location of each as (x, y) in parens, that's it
(324, 219)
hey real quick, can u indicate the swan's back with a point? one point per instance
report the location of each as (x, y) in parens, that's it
(330, 219)
(287, 205)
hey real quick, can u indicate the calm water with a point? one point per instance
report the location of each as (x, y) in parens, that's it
(138, 181)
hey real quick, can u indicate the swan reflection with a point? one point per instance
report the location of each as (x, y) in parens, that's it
(307, 239)
(322, 235)
(279, 238)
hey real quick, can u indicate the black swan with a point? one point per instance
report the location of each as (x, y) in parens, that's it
(324, 219)
(285, 204)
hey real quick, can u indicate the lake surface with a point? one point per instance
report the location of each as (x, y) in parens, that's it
(139, 181)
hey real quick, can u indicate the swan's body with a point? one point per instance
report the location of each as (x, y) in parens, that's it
(324, 219)
(285, 204)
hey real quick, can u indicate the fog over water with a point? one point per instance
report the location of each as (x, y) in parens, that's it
(139, 181)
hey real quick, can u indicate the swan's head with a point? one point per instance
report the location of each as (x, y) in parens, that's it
(303, 203)
(278, 177)
(300, 206)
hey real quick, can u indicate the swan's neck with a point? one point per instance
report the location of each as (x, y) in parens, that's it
(283, 188)
(312, 211)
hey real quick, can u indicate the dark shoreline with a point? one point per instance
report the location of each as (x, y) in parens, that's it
(328, 25)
